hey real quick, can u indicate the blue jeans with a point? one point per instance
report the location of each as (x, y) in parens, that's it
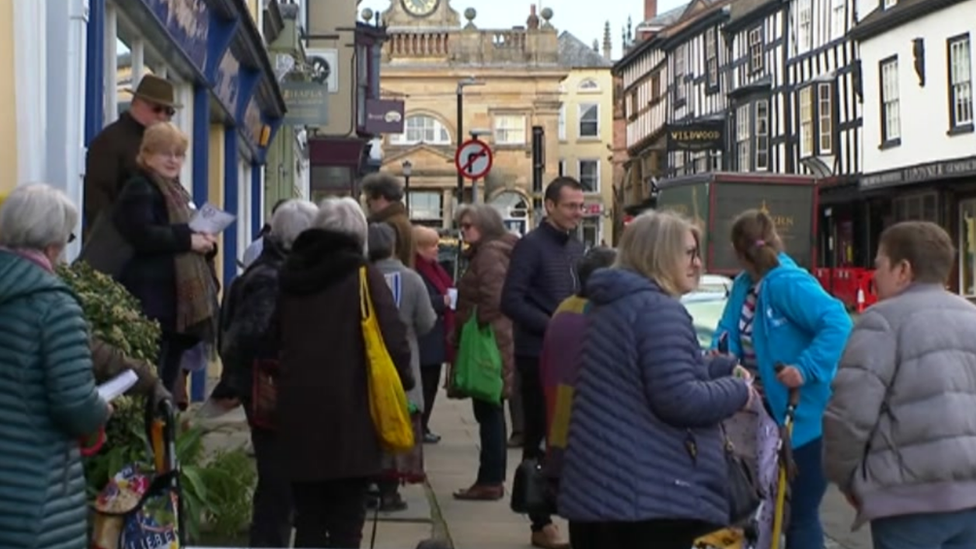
(955, 530)
(807, 491)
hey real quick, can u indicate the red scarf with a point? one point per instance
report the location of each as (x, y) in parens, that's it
(438, 277)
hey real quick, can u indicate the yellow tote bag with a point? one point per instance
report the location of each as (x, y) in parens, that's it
(387, 399)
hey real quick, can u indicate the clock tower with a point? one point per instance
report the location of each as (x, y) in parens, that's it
(421, 13)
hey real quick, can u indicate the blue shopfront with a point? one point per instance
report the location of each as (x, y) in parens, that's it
(214, 53)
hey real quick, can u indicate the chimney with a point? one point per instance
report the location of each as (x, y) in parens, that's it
(533, 21)
(650, 9)
(607, 44)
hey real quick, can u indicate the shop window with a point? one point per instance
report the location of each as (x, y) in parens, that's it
(589, 231)
(426, 205)
(917, 207)
(967, 247)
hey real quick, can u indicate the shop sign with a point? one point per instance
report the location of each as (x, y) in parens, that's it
(707, 135)
(307, 103)
(384, 116)
(188, 24)
(945, 169)
(227, 81)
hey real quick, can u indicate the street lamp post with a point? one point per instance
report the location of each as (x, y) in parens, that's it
(407, 168)
(469, 81)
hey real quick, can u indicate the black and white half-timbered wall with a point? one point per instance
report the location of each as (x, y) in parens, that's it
(823, 85)
(822, 71)
(697, 61)
(761, 120)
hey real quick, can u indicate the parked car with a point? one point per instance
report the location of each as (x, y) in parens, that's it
(706, 305)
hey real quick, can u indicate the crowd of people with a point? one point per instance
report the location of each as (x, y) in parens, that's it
(621, 408)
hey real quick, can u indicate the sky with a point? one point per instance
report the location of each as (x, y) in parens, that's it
(575, 16)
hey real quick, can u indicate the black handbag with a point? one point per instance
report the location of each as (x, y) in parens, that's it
(744, 494)
(106, 250)
(532, 492)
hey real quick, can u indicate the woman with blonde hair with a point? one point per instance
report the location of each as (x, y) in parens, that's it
(171, 271)
(434, 349)
(645, 462)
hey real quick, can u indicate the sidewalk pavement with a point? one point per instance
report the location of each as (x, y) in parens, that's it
(453, 464)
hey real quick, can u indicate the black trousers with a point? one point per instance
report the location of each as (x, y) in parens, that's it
(533, 421)
(430, 378)
(330, 513)
(171, 348)
(271, 516)
(649, 534)
(494, 452)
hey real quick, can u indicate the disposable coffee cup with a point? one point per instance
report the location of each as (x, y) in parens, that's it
(452, 293)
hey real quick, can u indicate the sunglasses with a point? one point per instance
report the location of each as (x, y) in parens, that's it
(159, 109)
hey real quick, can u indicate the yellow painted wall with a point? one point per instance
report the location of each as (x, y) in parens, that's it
(215, 187)
(8, 99)
(574, 148)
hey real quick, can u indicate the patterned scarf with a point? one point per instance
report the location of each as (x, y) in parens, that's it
(196, 291)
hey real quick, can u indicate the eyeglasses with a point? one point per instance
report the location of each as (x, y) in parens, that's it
(159, 109)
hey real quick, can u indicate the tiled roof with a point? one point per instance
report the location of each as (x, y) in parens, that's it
(667, 18)
(573, 53)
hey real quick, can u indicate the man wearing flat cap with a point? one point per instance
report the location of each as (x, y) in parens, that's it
(112, 154)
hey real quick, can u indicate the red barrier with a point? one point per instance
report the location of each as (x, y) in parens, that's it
(854, 287)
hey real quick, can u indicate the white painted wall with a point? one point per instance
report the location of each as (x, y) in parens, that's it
(924, 111)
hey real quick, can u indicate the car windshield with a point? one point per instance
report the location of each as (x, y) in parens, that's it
(706, 310)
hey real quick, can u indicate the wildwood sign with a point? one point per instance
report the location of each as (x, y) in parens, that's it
(699, 136)
(946, 169)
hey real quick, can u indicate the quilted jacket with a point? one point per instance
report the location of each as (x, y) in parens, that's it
(47, 401)
(899, 433)
(644, 398)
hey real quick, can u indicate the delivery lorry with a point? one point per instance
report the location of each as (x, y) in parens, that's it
(713, 200)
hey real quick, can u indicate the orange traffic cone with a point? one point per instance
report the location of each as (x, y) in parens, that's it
(860, 300)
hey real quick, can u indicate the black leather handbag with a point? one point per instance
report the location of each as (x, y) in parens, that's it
(744, 494)
(532, 492)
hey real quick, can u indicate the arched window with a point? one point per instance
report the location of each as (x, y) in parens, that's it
(588, 85)
(420, 128)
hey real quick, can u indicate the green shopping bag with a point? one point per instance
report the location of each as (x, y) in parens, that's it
(478, 365)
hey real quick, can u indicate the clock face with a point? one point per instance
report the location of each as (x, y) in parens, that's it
(420, 8)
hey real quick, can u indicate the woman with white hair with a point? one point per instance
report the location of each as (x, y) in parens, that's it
(250, 360)
(329, 443)
(660, 478)
(48, 399)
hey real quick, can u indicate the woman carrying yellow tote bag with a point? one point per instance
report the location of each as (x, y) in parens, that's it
(387, 400)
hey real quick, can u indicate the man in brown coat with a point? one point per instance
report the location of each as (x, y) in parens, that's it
(111, 157)
(384, 198)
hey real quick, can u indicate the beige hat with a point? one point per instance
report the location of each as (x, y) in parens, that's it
(156, 90)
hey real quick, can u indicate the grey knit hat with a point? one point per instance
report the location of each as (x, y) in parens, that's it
(382, 241)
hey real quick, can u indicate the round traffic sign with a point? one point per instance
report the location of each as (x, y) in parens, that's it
(473, 159)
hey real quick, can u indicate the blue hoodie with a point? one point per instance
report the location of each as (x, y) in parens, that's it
(798, 324)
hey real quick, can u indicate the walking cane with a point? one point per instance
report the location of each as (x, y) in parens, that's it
(786, 463)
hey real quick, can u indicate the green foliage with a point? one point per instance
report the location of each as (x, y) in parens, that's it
(217, 488)
(112, 312)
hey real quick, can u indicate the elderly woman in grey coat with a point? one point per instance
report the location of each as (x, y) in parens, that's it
(48, 399)
(410, 295)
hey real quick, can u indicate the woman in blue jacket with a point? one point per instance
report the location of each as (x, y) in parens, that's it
(778, 313)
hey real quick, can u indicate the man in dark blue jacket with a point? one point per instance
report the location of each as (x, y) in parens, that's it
(542, 273)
